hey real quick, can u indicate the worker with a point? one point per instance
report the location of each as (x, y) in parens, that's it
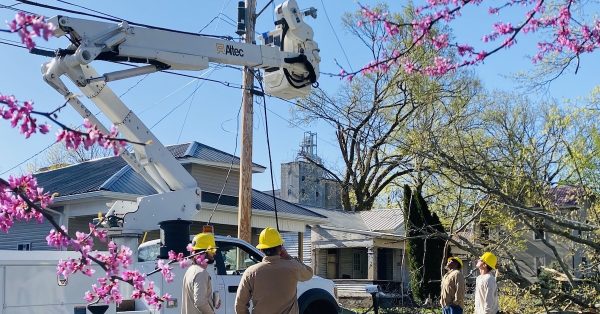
(452, 298)
(271, 284)
(486, 290)
(197, 292)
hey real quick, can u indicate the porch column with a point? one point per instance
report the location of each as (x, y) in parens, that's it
(372, 263)
(301, 246)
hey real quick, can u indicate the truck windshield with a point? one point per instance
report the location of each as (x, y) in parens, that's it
(236, 258)
(149, 252)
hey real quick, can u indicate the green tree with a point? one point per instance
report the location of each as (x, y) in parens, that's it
(371, 113)
(424, 251)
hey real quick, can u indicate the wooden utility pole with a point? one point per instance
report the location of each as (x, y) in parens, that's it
(245, 192)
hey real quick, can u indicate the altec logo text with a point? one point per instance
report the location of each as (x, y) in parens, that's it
(230, 50)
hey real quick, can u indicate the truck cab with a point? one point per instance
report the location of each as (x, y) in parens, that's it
(233, 257)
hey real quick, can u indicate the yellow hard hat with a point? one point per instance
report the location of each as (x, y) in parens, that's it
(204, 241)
(457, 259)
(269, 238)
(490, 259)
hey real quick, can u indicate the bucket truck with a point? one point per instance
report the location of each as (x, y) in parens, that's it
(289, 60)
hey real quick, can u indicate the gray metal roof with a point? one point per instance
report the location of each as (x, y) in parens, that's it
(81, 178)
(383, 219)
(113, 174)
(206, 153)
(342, 219)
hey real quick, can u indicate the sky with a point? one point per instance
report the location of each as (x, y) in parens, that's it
(176, 114)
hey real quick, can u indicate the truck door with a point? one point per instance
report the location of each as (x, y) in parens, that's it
(218, 288)
(232, 259)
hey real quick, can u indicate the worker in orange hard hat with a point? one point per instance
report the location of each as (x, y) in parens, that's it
(197, 295)
(452, 298)
(486, 289)
(271, 284)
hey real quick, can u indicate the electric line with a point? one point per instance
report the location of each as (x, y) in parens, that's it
(237, 133)
(28, 159)
(336, 36)
(269, 149)
(181, 104)
(32, 3)
(187, 113)
(259, 13)
(91, 10)
(225, 83)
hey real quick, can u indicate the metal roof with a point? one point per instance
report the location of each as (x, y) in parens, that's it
(81, 178)
(383, 219)
(206, 153)
(113, 174)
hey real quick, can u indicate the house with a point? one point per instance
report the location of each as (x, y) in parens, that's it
(352, 248)
(89, 188)
(534, 253)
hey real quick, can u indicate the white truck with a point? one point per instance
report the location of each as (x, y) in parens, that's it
(29, 284)
(290, 63)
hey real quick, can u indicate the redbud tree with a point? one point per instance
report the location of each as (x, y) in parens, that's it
(21, 199)
(560, 28)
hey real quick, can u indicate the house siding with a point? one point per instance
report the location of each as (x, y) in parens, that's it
(291, 245)
(211, 179)
(27, 232)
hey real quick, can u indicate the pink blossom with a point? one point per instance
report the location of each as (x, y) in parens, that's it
(30, 26)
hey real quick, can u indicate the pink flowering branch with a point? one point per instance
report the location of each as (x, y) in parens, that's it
(21, 199)
(30, 26)
(567, 34)
(22, 116)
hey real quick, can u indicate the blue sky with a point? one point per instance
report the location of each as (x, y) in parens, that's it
(211, 117)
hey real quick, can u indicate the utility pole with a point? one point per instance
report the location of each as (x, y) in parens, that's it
(245, 192)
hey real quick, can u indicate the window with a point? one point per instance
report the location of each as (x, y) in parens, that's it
(538, 262)
(303, 178)
(24, 247)
(484, 231)
(332, 264)
(149, 252)
(317, 193)
(356, 261)
(233, 259)
(540, 234)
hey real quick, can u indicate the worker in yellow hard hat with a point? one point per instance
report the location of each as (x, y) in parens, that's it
(486, 289)
(452, 298)
(197, 291)
(271, 284)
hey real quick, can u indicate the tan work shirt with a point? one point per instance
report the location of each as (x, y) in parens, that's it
(453, 289)
(271, 285)
(197, 291)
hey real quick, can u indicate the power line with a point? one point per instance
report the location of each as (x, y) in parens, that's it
(32, 3)
(260, 12)
(336, 36)
(181, 104)
(28, 159)
(237, 134)
(91, 10)
(269, 150)
(187, 113)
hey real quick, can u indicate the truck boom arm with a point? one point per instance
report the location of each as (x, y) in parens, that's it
(290, 61)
